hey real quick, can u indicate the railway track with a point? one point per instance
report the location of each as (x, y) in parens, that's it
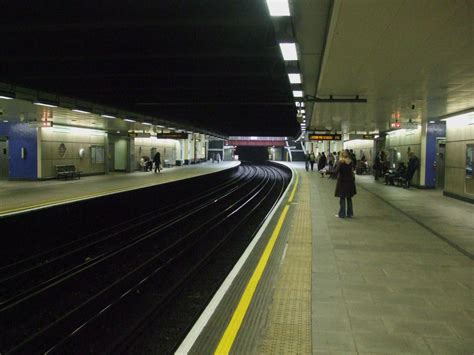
(94, 293)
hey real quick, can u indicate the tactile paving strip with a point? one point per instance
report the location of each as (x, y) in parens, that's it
(288, 328)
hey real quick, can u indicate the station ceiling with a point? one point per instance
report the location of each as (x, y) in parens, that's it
(209, 63)
(217, 64)
(411, 59)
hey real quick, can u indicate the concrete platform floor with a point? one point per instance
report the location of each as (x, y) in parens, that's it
(396, 279)
(19, 196)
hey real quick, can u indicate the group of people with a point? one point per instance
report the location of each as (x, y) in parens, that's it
(342, 166)
(148, 164)
(324, 163)
(403, 173)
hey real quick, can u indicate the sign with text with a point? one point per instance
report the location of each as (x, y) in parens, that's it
(172, 135)
(324, 137)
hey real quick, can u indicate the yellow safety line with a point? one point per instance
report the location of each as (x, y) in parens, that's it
(233, 328)
(78, 198)
(294, 188)
(228, 338)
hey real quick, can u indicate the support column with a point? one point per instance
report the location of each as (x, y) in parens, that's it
(422, 156)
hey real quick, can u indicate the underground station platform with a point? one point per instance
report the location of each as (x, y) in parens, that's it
(395, 279)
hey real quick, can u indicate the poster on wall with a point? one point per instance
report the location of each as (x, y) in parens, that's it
(97, 154)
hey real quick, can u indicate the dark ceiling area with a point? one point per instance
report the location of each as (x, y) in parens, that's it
(209, 63)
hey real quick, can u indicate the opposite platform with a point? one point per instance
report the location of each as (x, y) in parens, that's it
(21, 196)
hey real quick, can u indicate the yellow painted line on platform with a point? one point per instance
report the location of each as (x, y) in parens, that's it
(233, 327)
(294, 188)
(71, 199)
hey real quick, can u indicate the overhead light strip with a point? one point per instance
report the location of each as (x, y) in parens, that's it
(80, 111)
(39, 103)
(295, 78)
(278, 8)
(288, 50)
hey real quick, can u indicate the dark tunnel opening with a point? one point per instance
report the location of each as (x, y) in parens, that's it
(253, 154)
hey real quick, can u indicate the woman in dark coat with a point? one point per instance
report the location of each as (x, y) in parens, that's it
(345, 186)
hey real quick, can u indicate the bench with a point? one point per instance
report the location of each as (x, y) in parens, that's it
(67, 171)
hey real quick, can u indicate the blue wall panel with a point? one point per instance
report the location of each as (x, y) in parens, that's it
(434, 131)
(21, 135)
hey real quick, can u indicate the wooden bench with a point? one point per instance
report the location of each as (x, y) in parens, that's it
(67, 171)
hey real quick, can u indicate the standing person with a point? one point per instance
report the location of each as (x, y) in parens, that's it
(322, 163)
(312, 160)
(345, 186)
(157, 161)
(353, 158)
(306, 161)
(413, 165)
(218, 157)
(377, 166)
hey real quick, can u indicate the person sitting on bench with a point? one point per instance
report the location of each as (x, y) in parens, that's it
(393, 175)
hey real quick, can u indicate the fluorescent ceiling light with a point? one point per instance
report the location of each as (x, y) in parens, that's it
(148, 124)
(289, 51)
(129, 120)
(303, 111)
(432, 121)
(297, 93)
(295, 78)
(160, 126)
(278, 7)
(108, 116)
(80, 111)
(6, 97)
(43, 104)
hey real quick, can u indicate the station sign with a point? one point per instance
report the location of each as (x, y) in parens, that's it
(172, 135)
(407, 125)
(324, 137)
(41, 123)
(368, 136)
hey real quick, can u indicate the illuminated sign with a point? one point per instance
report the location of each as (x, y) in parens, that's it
(324, 137)
(41, 123)
(172, 135)
(408, 125)
(368, 136)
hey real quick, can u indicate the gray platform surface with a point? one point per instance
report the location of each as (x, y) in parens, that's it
(19, 196)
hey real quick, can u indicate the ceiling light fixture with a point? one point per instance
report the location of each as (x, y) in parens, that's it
(288, 50)
(147, 123)
(129, 120)
(42, 103)
(80, 111)
(278, 7)
(297, 93)
(108, 116)
(295, 78)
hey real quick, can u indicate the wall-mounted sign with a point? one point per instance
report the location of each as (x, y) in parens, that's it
(324, 137)
(171, 135)
(407, 125)
(62, 150)
(368, 136)
(41, 123)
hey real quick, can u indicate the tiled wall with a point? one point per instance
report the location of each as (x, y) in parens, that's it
(168, 149)
(73, 139)
(402, 142)
(458, 136)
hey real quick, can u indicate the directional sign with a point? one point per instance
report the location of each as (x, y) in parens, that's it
(324, 137)
(172, 135)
